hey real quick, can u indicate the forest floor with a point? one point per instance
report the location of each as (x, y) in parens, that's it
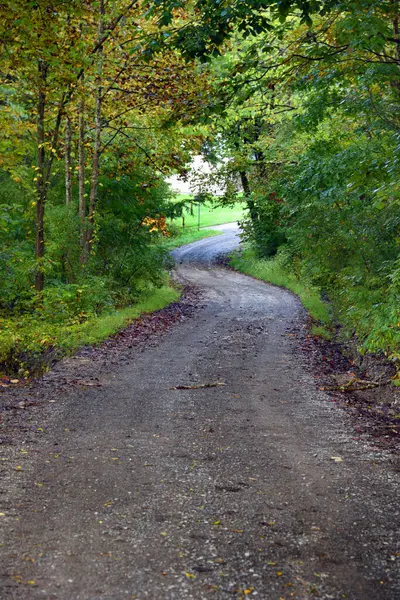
(195, 455)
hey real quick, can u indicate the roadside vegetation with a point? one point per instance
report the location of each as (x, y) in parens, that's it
(294, 104)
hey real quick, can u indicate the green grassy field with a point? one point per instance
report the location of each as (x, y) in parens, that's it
(210, 214)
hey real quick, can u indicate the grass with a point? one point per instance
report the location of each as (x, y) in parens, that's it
(210, 214)
(274, 271)
(29, 346)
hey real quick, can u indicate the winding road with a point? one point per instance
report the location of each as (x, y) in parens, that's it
(207, 251)
(206, 465)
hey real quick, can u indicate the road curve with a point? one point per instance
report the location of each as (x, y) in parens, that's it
(207, 251)
(205, 465)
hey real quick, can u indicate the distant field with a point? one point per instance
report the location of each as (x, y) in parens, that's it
(210, 215)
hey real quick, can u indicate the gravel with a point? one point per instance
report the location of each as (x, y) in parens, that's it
(116, 485)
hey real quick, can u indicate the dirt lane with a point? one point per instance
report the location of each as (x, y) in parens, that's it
(135, 490)
(205, 252)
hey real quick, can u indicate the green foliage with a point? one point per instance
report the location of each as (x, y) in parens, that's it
(342, 231)
(267, 230)
(16, 249)
(125, 252)
(29, 345)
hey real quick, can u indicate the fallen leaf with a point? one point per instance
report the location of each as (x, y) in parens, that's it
(190, 575)
(19, 468)
(337, 459)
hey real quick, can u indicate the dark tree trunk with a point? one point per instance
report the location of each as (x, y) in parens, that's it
(68, 170)
(41, 182)
(247, 194)
(81, 176)
(88, 239)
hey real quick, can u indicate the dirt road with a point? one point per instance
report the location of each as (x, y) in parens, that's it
(206, 251)
(130, 487)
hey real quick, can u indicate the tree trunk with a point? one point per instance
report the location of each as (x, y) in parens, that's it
(81, 176)
(247, 194)
(88, 240)
(395, 83)
(68, 171)
(41, 182)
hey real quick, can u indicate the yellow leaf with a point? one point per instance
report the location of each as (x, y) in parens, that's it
(108, 503)
(2, 514)
(31, 582)
(190, 576)
(337, 459)
(19, 468)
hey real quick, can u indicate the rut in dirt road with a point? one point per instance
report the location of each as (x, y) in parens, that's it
(137, 489)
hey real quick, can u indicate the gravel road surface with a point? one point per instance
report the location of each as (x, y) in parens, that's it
(207, 251)
(131, 485)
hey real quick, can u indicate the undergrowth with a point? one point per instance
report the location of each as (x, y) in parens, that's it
(29, 344)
